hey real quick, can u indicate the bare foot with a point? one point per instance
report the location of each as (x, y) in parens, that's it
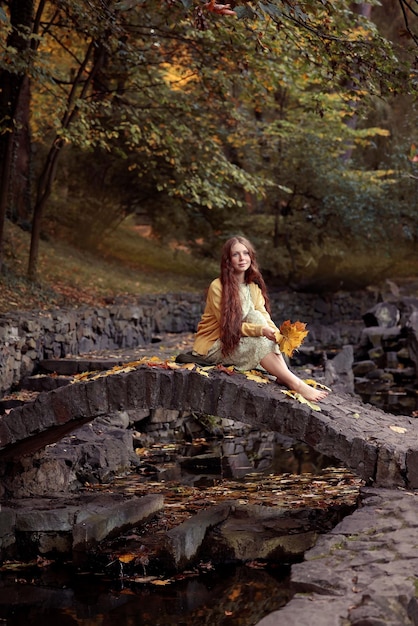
(310, 393)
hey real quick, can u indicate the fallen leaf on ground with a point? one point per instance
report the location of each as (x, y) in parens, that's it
(256, 376)
(398, 429)
(314, 383)
(300, 398)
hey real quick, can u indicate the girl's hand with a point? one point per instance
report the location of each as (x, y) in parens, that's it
(269, 333)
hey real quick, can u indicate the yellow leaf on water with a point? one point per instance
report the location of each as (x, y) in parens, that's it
(126, 558)
(398, 429)
(160, 582)
(144, 579)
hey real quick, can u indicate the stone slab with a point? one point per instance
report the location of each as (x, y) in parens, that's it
(184, 541)
(60, 526)
(101, 522)
(364, 572)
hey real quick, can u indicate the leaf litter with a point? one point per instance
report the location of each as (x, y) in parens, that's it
(333, 487)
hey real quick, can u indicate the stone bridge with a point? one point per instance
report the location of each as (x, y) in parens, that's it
(380, 448)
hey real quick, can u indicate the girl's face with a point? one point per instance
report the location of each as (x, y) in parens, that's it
(240, 259)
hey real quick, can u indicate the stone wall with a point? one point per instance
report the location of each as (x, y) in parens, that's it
(30, 336)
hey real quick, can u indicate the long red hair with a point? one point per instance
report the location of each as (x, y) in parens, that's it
(231, 310)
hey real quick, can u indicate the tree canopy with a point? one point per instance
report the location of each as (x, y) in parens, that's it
(272, 118)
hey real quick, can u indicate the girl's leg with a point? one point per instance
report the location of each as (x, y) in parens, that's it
(276, 365)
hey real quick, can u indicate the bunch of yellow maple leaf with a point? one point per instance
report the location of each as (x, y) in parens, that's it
(291, 336)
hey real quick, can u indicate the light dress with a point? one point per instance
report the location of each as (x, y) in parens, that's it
(250, 350)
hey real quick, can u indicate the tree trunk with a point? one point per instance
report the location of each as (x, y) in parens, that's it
(79, 90)
(14, 110)
(365, 10)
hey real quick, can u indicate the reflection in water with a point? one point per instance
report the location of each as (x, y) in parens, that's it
(231, 595)
(236, 596)
(396, 401)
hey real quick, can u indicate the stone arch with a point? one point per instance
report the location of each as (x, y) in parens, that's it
(362, 438)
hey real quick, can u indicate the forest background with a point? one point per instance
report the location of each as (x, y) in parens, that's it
(137, 135)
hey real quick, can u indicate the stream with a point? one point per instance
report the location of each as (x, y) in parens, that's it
(237, 594)
(229, 594)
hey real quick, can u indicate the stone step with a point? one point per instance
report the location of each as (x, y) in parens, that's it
(45, 382)
(74, 527)
(71, 366)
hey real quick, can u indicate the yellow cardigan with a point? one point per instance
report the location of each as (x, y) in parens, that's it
(209, 327)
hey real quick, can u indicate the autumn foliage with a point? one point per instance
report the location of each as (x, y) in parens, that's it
(291, 336)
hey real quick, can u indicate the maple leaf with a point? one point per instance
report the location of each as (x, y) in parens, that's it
(155, 362)
(291, 336)
(316, 384)
(300, 398)
(256, 376)
(228, 370)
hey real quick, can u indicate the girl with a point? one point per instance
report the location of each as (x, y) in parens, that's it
(236, 327)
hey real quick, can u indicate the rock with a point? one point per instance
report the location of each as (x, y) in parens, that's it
(360, 572)
(375, 374)
(260, 532)
(361, 368)
(339, 371)
(376, 335)
(383, 314)
(93, 453)
(51, 527)
(119, 419)
(377, 355)
(183, 542)
(209, 463)
(43, 382)
(7, 532)
(236, 465)
(110, 518)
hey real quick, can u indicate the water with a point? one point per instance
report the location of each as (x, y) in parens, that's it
(395, 401)
(228, 596)
(221, 595)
